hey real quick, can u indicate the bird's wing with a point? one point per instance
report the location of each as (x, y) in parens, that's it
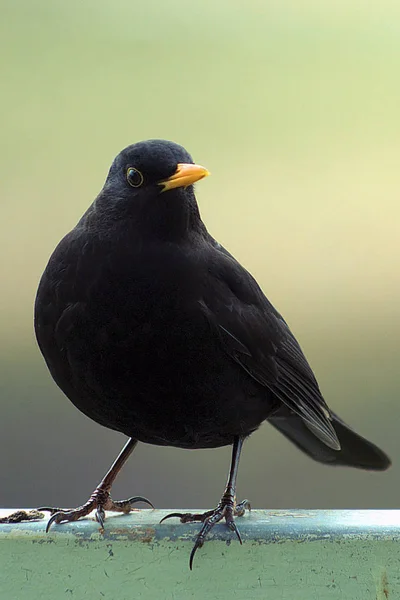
(255, 335)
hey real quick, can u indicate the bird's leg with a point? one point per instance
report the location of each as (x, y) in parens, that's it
(100, 500)
(227, 507)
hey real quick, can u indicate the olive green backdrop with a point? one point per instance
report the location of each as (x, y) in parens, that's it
(294, 106)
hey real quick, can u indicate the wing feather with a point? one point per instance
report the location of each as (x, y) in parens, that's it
(255, 335)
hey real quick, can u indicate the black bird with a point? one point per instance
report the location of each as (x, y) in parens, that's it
(153, 329)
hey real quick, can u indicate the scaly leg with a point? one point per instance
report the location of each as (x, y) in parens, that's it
(100, 499)
(227, 507)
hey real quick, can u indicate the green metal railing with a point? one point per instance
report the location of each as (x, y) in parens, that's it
(286, 555)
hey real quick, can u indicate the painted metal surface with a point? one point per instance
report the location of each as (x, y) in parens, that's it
(286, 555)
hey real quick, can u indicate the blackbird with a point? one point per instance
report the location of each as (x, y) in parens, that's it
(153, 329)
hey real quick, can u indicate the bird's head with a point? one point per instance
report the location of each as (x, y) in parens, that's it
(150, 186)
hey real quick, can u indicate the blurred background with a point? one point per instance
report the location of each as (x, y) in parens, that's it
(294, 107)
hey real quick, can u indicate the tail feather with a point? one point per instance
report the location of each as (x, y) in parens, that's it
(355, 450)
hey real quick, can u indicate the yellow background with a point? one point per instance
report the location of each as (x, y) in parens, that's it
(294, 107)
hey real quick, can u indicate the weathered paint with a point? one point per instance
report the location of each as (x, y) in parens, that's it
(286, 555)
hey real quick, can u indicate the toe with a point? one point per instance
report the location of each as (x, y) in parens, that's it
(241, 508)
(126, 505)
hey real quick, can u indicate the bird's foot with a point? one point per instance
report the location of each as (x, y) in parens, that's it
(100, 501)
(227, 508)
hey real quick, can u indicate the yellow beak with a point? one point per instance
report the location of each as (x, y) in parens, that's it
(185, 175)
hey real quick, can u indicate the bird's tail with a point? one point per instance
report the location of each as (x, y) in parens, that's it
(355, 450)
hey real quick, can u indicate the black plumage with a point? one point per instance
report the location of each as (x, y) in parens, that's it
(152, 328)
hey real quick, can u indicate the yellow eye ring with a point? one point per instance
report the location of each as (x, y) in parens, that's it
(134, 177)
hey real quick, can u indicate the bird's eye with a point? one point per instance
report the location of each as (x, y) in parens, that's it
(134, 177)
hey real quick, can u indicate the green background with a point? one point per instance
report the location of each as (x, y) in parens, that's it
(294, 108)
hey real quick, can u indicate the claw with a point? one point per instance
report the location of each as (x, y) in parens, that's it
(100, 516)
(189, 517)
(53, 519)
(198, 544)
(232, 525)
(170, 516)
(133, 500)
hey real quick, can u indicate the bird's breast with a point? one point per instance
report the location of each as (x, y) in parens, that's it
(125, 338)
